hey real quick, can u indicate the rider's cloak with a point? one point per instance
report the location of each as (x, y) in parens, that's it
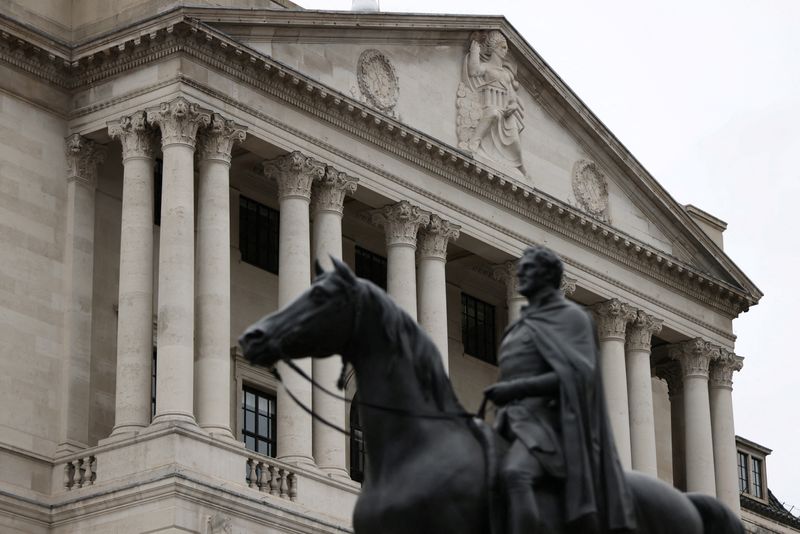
(595, 485)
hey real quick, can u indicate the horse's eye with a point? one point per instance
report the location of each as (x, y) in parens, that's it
(317, 294)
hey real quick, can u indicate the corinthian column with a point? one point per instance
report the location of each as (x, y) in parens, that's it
(671, 372)
(640, 392)
(294, 174)
(400, 222)
(722, 431)
(611, 317)
(568, 285)
(327, 207)
(178, 121)
(507, 273)
(213, 302)
(432, 285)
(135, 318)
(694, 357)
(83, 157)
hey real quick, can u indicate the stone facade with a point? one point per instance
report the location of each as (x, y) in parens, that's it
(131, 147)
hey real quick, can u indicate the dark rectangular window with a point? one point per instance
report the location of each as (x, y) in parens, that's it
(259, 227)
(259, 427)
(358, 453)
(743, 473)
(758, 490)
(158, 173)
(371, 266)
(153, 387)
(478, 328)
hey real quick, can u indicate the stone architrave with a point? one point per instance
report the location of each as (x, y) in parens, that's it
(179, 121)
(612, 317)
(670, 372)
(400, 222)
(327, 207)
(507, 274)
(135, 318)
(640, 392)
(294, 174)
(722, 427)
(213, 298)
(694, 357)
(83, 158)
(432, 285)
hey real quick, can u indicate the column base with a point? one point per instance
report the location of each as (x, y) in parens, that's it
(221, 432)
(122, 433)
(301, 461)
(172, 419)
(337, 473)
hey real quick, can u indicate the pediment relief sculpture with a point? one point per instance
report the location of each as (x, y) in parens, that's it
(490, 114)
(590, 185)
(378, 84)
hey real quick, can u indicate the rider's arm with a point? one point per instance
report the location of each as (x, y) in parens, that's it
(544, 385)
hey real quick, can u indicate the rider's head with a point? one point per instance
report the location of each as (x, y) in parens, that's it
(538, 268)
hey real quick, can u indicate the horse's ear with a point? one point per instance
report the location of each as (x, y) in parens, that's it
(318, 270)
(343, 270)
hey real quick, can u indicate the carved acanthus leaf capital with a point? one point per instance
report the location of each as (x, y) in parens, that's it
(611, 317)
(216, 141)
(138, 139)
(328, 193)
(721, 370)
(294, 172)
(400, 222)
(641, 330)
(694, 356)
(83, 158)
(434, 238)
(507, 274)
(179, 121)
(568, 285)
(671, 372)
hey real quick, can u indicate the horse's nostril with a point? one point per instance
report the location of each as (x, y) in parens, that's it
(251, 336)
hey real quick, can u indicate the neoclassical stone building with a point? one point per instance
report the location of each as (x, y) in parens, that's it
(169, 172)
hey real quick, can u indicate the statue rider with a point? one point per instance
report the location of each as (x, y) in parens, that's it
(552, 412)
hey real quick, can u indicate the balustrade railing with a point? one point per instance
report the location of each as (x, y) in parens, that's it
(269, 477)
(80, 472)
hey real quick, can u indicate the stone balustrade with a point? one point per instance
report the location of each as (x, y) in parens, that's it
(80, 472)
(269, 476)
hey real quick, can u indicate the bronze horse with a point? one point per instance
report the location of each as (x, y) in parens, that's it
(427, 469)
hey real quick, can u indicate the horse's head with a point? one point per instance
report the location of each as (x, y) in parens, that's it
(317, 323)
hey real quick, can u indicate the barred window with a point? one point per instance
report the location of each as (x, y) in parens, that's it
(744, 482)
(259, 427)
(371, 266)
(758, 490)
(358, 453)
(153, 370)
(259, 227)
(478, 328)
(158, 172)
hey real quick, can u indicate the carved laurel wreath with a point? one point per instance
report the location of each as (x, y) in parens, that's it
(377, 79)
(591, 188)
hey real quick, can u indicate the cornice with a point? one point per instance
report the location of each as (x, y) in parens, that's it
(200, 41)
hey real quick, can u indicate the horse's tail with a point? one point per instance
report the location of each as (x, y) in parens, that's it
(717, 518)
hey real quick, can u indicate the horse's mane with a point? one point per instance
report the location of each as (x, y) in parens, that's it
(415, 345)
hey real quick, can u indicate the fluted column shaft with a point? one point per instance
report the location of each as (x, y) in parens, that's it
(83, 157)
(179, 121)
(507, 273)
(694, 357)
(432, 286)
(135, 318)
(400, 222)
(327, 200)
(722, 428)
(294, 174)
(612, 317)
(213, 301)
(671, 372)
(640, 393)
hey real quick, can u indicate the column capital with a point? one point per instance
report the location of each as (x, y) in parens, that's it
(294, 173)
(694, 356)
(83, 157)
(611, 317)
(216, 141)
(567, 285)
(641, 330)
(434, 239)
(506, 273)
(400, 222)
(670, 372)
(329, 191)
(721, 370)
(138, 139)
(179, 121)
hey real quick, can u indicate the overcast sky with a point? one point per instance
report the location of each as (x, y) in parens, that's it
(706, 95)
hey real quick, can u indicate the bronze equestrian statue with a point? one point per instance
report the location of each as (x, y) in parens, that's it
(431, 467)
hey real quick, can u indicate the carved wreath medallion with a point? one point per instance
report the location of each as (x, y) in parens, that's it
(591, 188)
(377, 79)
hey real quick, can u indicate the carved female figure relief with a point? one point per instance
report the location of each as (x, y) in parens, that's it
(490, 114)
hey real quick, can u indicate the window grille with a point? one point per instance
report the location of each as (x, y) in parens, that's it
(358, 452)
(259, 227)
(259, 426)
(478, 328)
(371, 266)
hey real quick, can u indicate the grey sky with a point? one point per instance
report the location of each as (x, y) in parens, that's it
(707, 96)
